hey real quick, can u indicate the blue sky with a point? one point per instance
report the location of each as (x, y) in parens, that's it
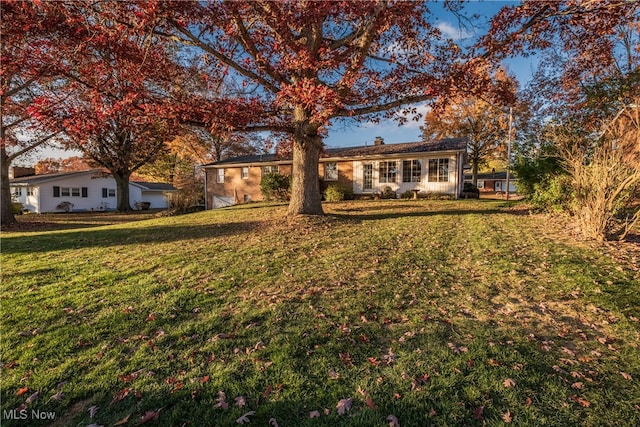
(354, 134)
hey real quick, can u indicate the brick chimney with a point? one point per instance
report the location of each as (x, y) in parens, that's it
(378, 141)
(17, 172)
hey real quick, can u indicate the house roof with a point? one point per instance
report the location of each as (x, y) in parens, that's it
(39, 179)
(154, 186)
(492, 175)
(449, 144)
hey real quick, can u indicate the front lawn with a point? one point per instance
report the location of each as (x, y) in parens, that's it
(441, 313)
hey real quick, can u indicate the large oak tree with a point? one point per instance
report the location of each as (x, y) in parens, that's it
(116, 104)
(305, 63)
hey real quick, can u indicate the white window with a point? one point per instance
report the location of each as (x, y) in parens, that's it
(439, 170)
(221, 176)
(480, 183)
(108, 192)
(269, 169)
(387, 172)
(30, 191)
(245, 172)
(17, 191)
(330, 171)
(70, 191)
(411, 170)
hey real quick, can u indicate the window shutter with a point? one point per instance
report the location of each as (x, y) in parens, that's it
(56, 191)
(85, 192)
(104, 192)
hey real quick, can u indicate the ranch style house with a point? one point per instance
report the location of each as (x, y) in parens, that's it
(82, 191)
(421, 167)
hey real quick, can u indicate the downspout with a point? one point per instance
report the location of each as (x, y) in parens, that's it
(206, 205)
(460, 167)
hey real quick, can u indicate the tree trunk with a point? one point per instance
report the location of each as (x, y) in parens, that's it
(6, 209)
(122, 191)
(474, 173)
(305, 188)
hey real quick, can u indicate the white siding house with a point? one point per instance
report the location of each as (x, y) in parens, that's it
(91, 190)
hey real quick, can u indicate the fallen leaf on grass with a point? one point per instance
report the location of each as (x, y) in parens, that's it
(57, 396)
(370, 403)
(314, 414)
(121, 395)
(241, 401)
(92, 411)
(151, 317)
(149, 415)
(344, 405)
(346, 359)
(333, 374)
(122, 421)
(22, 391)
(509, 383)
(506, 417)
(273, 422)
(32, 398)
(528, 402)
(626, 376)
(221, 401)
(478, 414)
(244, 419)
(393, 421)
(456, 349)
(581, 401)
(373, 361)
(577, 385)
(132, 376)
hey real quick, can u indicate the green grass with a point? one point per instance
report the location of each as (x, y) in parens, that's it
(426, 308)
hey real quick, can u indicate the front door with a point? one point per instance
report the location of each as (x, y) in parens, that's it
(367, 176)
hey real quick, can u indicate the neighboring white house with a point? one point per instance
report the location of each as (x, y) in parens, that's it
(91, 190)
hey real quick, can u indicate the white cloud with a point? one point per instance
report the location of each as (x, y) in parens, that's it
(453, 31)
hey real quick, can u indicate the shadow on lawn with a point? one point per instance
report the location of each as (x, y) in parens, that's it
(123, 236)
(347, 215)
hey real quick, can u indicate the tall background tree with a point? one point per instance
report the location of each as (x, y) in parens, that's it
(305, 64)
(588, 85)
(31, 38)
(483, 124)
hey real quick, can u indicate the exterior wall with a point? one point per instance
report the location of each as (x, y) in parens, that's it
(156, 198)
(93, 201)
(245, 189)
(452, 186)
(345, 174)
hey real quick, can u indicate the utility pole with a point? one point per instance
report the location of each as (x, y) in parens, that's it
(509, 149)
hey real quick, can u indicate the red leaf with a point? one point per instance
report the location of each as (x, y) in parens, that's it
(22, 391)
